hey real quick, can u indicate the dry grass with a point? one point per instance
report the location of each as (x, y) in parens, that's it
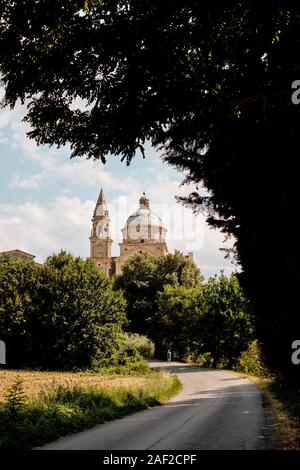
(35, 382)
(287, 425)
(286, 420)
(58, 403)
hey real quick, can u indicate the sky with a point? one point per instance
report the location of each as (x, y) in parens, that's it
(47, 199)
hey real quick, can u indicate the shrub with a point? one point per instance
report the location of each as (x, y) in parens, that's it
(202, 360)
(251, 361)
(15, 398)
(140, 343)
(137, 368)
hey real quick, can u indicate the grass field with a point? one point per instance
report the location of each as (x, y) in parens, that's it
(36, 383)
(43, 406)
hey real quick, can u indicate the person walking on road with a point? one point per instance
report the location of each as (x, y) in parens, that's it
(169, 355)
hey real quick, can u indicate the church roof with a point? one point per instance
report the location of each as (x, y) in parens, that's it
(144, 216)
(17, 252)
(101, 198)
(101, 206)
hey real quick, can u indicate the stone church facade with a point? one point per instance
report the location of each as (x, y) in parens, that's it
(143, 232)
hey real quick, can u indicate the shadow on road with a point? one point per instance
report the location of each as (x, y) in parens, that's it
(177, 367)
(232, 378)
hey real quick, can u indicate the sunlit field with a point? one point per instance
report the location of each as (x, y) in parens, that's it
(38, 407)
(35, 382)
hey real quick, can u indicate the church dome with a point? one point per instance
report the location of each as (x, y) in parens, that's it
(144, 224)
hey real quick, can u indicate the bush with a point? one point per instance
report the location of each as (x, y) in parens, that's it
(140, 343)
(202, 360)
(123, 357)
(15, 398)
(136, 368)
(251, 361)
(62, 315)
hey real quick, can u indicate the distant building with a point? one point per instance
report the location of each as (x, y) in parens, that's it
(143, 232)
(19, 254)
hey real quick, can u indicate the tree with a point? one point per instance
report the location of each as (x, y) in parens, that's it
(177, 269)
(227, 325)
(81, 313)
(136, 281)
(177, 320)
(143, 275)
(210, 84)
(67, 314)
(212, 319)
(17, 282)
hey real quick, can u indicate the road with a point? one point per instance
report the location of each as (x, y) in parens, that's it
(214, 410)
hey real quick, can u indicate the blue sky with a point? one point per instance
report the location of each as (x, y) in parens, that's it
(47, 200)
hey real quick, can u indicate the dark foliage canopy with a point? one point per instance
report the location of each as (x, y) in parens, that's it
(210, 83)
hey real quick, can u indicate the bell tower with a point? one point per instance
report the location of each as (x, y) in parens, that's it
(100, 240)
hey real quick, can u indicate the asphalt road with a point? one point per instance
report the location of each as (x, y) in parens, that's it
(214, 410)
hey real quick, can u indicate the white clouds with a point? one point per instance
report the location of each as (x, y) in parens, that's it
(54, 165)
(25, 183)
(84, 172)
(66, 191)
(75, 172)
(73, 212)
(5, 118)
(41, 230)
(2, 92)
(3, 140)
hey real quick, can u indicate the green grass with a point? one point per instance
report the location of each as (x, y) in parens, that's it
(28, 422)
(135, 368)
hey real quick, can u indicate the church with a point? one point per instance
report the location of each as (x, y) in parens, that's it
(143, 232)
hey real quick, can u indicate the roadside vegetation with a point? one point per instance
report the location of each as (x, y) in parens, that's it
(283, 400)
(38, 407)
(285, 404)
